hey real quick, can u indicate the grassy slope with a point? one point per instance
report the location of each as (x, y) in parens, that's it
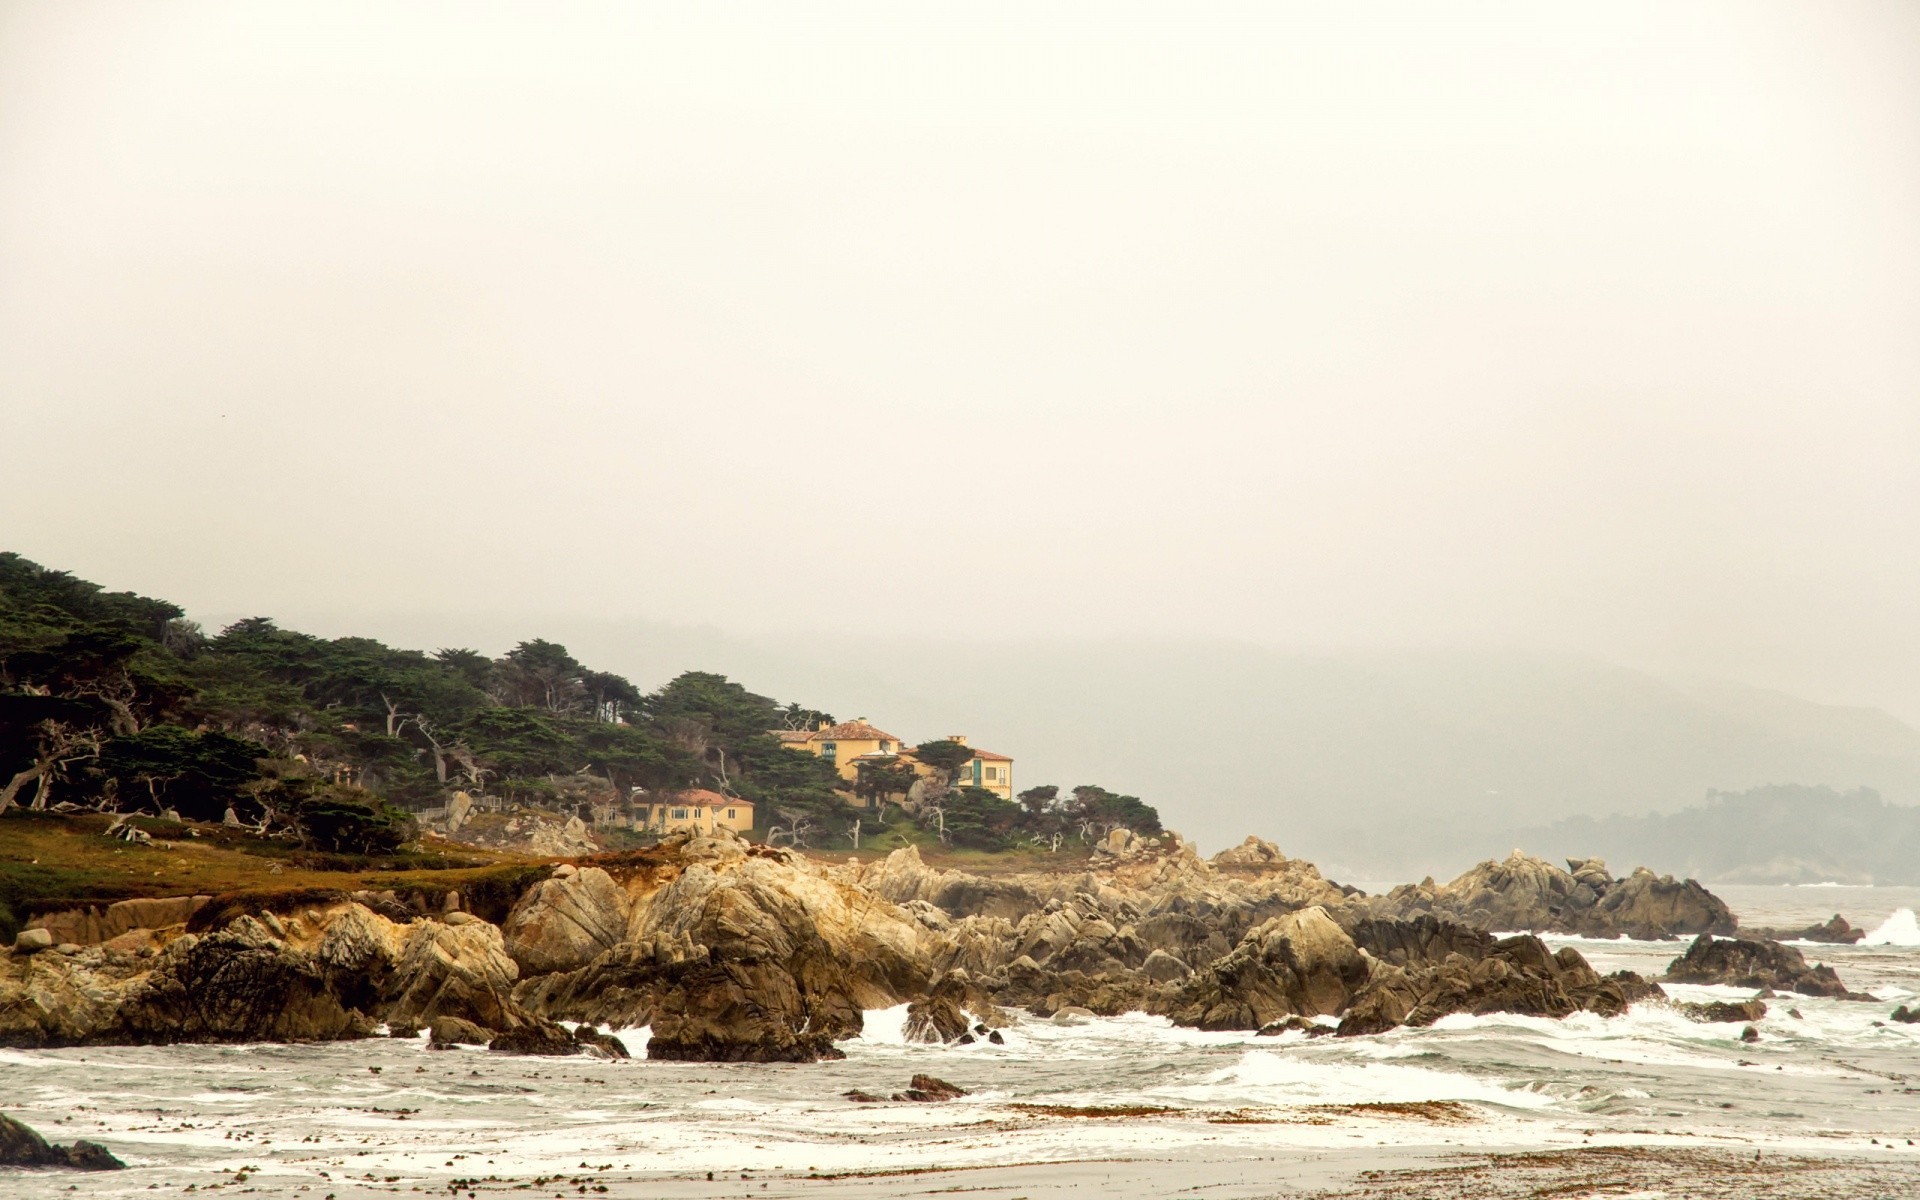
(52, 862)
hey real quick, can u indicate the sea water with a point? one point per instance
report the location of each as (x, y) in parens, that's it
(391, 1116)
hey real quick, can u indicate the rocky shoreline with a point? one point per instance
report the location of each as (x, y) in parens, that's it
(737, 952)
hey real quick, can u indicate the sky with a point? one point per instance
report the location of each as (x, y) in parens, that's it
(1590, 327)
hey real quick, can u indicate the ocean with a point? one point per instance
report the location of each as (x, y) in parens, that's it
(1061, 1107)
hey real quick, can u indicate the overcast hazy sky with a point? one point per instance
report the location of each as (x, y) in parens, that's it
(1578, 326)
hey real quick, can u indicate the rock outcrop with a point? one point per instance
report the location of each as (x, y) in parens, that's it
(320, 974)
(22, 1147)
(730, 952)
(1835, 931)
(1300, 964)
(734, 952)
(1740, 962)
(1521, 892)
(1512, 975)
(565, 922)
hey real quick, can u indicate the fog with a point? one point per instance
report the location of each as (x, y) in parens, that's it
(1584, 331)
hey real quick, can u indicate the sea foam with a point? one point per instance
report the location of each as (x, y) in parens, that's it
(1900, 929)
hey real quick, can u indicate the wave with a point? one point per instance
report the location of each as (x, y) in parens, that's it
(1266, 1077)
(1900, 929)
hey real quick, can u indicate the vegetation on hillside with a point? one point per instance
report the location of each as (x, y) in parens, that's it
(116, 702)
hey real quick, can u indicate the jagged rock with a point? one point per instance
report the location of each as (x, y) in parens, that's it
(860, 1097)
(1253, 853)
(954, 1008)
(1725, 1011)
(1904, 1015)
(1517, 974)
(562, 923)
(22, 1147)
(1521, 892)
(1738, 962)
(1301, 963)
(323, 974)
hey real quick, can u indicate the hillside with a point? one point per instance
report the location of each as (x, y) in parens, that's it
(114, 702)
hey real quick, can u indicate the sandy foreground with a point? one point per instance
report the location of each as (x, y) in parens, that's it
(1611, 1172)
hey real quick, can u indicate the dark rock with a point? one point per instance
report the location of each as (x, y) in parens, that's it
(949, 1010)
(1295, 1024)
(1738, 962)
(1517, 975)
(1833, 931)
(1725, 1011)
(1749, 1034)
(1907, 1016)
(536, 1037)
(600, 1045)
(926, 1089)
(860, 1097)
(22, 1147)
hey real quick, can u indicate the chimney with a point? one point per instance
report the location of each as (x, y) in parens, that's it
(821, 725)
(958, 738)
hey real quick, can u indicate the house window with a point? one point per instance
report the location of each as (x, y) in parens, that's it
(679, 814)
(827, 749)
(993, 772)
(729, 814)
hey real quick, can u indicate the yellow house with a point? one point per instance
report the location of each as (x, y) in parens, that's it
(841, 744)
(847, 744)
(695, 809)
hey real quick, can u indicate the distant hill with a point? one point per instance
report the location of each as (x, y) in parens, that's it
(1780, 834)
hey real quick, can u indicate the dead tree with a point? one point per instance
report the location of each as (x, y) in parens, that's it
(57, 746)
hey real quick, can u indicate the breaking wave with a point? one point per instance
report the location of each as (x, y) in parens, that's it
(1900, 929)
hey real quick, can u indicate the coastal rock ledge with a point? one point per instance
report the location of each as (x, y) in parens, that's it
(736, 952)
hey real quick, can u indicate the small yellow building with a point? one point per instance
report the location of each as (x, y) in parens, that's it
(695, 809)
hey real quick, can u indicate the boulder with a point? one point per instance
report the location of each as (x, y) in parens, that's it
(1725, 1011)
(27, 941)
(536, 1037)
(563, 923)
(926, 1089)
(1162, 967)
(1740, 962)
(1906, 1016)
(448, 1032)
(22, 1147)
